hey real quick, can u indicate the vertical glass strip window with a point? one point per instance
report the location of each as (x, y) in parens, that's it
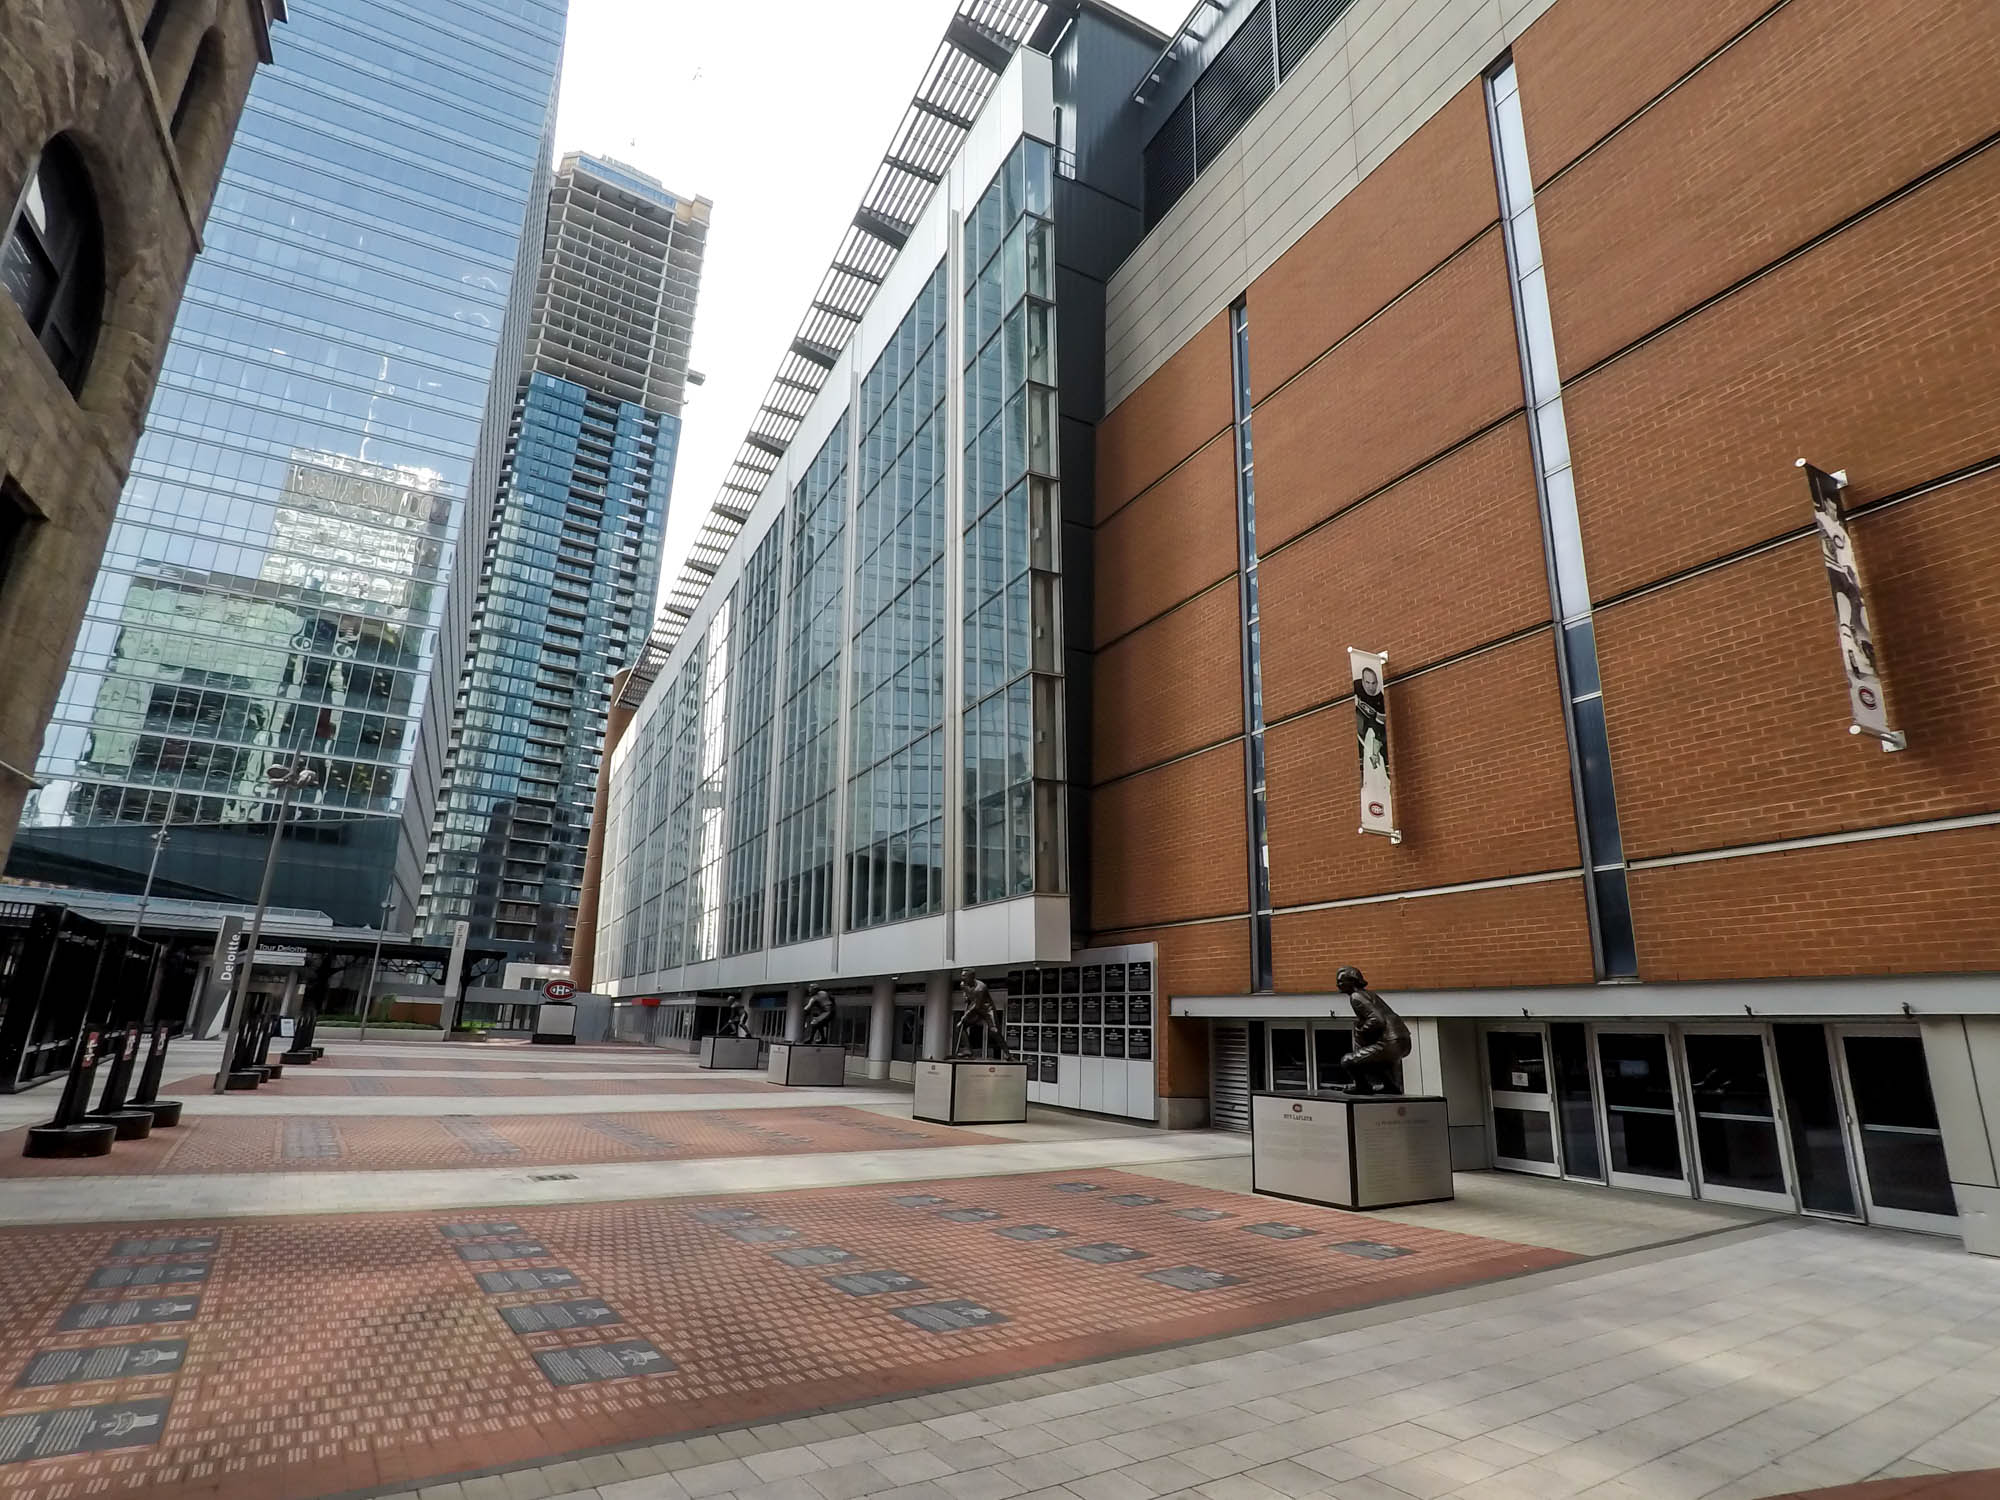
(750, 742)
(1576, 640)
(1258, 828)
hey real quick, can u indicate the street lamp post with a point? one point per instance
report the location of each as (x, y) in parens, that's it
(160, 841)
(374, 967)
(288, 778)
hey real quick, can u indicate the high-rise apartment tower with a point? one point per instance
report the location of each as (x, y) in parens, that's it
(572, 553)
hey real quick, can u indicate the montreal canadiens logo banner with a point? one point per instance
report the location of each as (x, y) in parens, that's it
(1371, 734)
(1869, 712)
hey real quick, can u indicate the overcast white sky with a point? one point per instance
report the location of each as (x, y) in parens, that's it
(777, 112)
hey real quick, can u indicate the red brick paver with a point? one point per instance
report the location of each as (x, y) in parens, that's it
(338, 1353)
(340, 1143)
(318, 1085)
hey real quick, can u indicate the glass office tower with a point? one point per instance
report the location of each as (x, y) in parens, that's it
(572, 554)
(278, 570)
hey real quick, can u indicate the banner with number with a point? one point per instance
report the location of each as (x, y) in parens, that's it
(1866, 706)
(1371, 734)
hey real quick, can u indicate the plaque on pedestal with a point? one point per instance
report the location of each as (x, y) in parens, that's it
(729, 1052)
(800, 1066)
(555, 1023)
(1357, 1151)
(972, 1092)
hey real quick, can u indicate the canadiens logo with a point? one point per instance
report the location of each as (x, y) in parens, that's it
(1298, 1109)
(1867, 697)
(1375, 809)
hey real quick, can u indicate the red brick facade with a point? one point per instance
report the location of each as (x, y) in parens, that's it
(1716, 317)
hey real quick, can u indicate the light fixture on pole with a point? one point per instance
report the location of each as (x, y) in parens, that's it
(374, 967)
(288, 778)
(159, 841)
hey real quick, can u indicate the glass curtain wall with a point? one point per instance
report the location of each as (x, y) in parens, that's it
(896, 731)
(676, 773)
(802, 893)
(758, 596)
(1012, 831)
(704, 892)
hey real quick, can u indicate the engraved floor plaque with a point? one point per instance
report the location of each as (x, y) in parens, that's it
(1032, 1232)
(110, 1362)
(544, 1317)
(585, 1363)
(1201, 1215)
(201, 1245)
(1105, 1253)
(1192, 1278)
(1079, 1187)
(81, 1429)
(969, 1215)
(872, 1283)
(311, 1140)
(503, 1250)
(477, 1136)
(106, 1278)
(947, 1317)
(627, 1135)
(1279, 1231)
(526, 1281)
(478, 1231)
(1372, 1249)
(725, 1215)
(83, 1315)
(920, 1200)
(763, 1234)
(1132, 1200)
(815, 1255)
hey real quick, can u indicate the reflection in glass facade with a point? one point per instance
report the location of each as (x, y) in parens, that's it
(895, 817)
(802, 893)
(572, 554)
(1012, 842)
(758, 594)
(275, 576)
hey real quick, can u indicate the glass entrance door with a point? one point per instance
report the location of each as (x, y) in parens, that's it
(1895, 1129)
(1517, 1079)
(1739, 1149)
(1642, 1125)
(1290, 1072)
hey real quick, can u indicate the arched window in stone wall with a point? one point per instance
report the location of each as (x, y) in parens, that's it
(52, 262)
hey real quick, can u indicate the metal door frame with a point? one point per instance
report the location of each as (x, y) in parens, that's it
(1785, 1202)
(1676, 1090)
(1522, 1101)
(1893, 1218)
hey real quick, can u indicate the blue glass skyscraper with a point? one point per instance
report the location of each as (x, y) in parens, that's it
(572, 554)
(280, 575)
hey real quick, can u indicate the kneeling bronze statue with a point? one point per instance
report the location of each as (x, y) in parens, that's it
(1381, 1040)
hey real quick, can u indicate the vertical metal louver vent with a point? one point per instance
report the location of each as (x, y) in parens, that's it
(1231, 87)
(1229, 1075)
(1170, 162)
(1300, 24)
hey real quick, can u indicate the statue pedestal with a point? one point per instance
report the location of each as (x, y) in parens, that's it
(1355, 1151)
(729, 1052)
(968, 1091)
(555, 1023)
(800, 1066)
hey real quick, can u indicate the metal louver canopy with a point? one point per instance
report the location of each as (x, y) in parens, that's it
(980, 39)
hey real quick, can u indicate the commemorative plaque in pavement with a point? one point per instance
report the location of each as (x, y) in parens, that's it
(108, 1278)
(873, 1283)
(526, 1281)
(815, 1255)
(503, 1250)
(81, 1429)
(1201, 1215)
(1371, 1249)
(478, 1231)
(544, 1317)
(1279, 1231)
(947, 1317)
(763, 1234)
(1132, 1200)
(581, 1364)
(1105, 1253)
(920, 1200)
(1192, 1278)
(82, 1315)
(724, 1215)
(1032, 1232)
(1079, 1187)
(196, 1245)
(109, 1362)
(968, 1215)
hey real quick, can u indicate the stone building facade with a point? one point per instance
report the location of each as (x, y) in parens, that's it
(119, 116)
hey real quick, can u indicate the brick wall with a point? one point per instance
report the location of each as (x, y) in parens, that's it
(1913, 905)
(1506, 935)
(1169, 543)
(1172, 686)
(1434, 194)
(1481, 777)
(1447, 560)
(1873, 353)
(1728, 707)
(1431, 369)
(1185, 403)
(1168, 845)
(1815, 114)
